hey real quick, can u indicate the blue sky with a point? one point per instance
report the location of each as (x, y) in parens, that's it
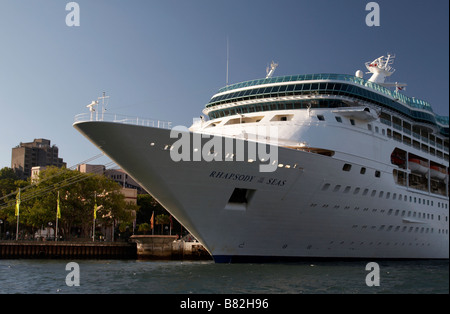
(165, 59)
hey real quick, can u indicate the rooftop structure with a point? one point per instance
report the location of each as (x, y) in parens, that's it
(34, 154)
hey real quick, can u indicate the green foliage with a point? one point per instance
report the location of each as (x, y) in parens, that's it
(144, 227)
(147, 205)
(162, 219)
(7, 181)
(78, 192)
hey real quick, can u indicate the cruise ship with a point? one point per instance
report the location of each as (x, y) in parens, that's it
(318, 166)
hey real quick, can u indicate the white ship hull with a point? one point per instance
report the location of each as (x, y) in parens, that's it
(307, 208)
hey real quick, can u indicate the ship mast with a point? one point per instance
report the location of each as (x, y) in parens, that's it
(271, 69)
(381, 69)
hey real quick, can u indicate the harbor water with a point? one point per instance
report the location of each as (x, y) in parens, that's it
(206, 277)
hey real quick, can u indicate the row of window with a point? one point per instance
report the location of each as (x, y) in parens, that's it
(387, 195)
(276, 105)
(391, 212)
(329, 88)
(348, 167)
(402, 229)
(381, 243)
(406, 140)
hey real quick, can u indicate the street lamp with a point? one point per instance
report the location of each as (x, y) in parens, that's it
(50, 224)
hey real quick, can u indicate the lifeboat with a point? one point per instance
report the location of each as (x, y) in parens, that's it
(418, 166)
(437, 172)
(397, 160)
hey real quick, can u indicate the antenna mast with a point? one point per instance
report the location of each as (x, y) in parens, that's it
(228, 58)
(381, 68)
(271, 69)
(103, 103)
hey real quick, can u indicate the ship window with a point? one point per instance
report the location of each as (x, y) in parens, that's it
(282, 117)
(377, 173)
(321, 117)
(339, 119)
(352, 121)
(363, 170)
(347, 167)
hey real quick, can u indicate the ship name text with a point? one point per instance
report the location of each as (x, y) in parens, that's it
(246, 178)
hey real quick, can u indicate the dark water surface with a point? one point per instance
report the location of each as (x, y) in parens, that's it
(205, 277)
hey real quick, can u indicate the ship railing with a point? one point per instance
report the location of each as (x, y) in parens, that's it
(118, 118)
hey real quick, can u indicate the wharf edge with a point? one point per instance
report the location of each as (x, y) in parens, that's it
(176, 250)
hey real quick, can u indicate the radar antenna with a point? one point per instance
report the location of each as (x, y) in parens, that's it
(381, 68)
(91, 107)
(271, 69)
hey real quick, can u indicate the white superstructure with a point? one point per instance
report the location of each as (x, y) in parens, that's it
(359, 171)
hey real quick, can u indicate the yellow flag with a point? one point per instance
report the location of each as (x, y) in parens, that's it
(95, 210)
(17, 204)
(58, 209)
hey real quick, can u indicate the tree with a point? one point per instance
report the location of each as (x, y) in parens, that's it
(162, 220)
(144, 227)
(78, 193)
(7, 181)
(147, 205)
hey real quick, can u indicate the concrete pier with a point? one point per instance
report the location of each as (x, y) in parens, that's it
(166, 247)
(153, 247)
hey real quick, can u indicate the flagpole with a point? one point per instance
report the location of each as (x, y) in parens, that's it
(57, 216)
(95, 216)
(153, 222)
(18, 213)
